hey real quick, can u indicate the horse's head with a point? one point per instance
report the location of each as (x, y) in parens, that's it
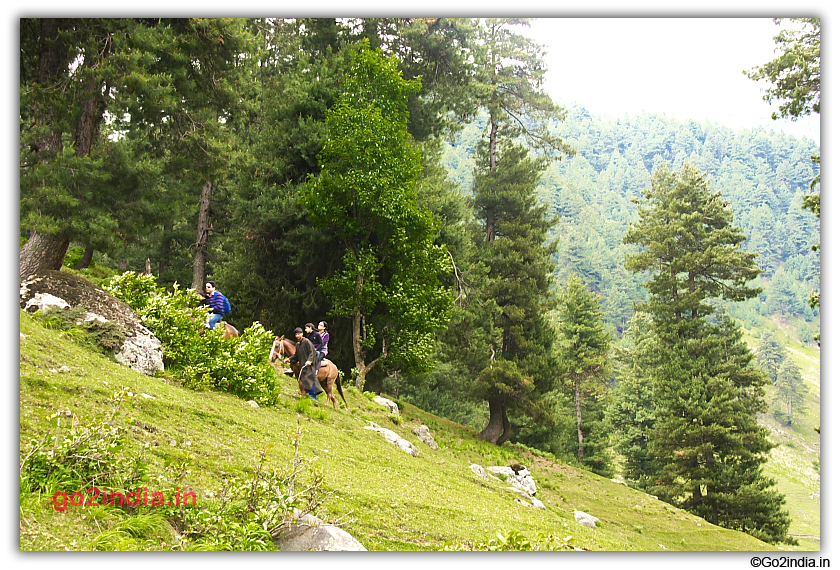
(276, 349)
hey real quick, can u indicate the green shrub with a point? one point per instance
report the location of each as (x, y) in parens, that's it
(514, 541)
(250, 510)
(79, 453)
(134, 289)
(202, 358)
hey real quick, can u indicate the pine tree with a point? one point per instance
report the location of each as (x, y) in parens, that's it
(790, 393)
(707, 440)
(632, 411)
(513, 298)
(583, 354)
(770, 355)
(511, 246)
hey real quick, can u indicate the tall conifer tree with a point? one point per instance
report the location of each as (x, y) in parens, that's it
(512, 244)
(707, 439)
(584, 352)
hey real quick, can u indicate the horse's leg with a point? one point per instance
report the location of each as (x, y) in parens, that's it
(325, 383)
(332, 384)
(336, 373)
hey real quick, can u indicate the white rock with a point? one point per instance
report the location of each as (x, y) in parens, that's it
(586, 519)
(479, 470)
(537, 503)
(309, 533)
(395, 438)
(142, 352)
(423, 433)
(44, 301)
(253, 404)
(522, 480)
(392, 406)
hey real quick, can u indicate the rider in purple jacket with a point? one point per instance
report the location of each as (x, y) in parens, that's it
(325, 339)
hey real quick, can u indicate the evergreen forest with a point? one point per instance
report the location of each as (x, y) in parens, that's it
(611, 291)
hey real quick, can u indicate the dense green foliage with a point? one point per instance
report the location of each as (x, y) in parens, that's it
(388, 283)
(583, 354)
(707, 441)
(203, 358)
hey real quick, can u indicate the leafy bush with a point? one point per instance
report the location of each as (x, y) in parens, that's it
(514, 541)
(81, 455)
(134, 289)
(203, 359)
(251, 510)
(238, 366)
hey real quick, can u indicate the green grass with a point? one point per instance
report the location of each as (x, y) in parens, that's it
(384, 497)
(791, 463)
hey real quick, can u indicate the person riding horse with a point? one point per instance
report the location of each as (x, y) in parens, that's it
(306, 356)
(329, 376)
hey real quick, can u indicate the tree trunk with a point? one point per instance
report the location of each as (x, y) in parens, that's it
(498, 425)
(204, 228)
(359, 351)
(43, 252)
(51, 66)
(84, 262)
(579, 419)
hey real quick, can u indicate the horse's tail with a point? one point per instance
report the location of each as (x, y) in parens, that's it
(338, 385)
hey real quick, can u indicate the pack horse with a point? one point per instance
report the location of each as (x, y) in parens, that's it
(328, 375)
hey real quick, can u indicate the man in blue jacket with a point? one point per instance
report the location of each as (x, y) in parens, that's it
(216, 301)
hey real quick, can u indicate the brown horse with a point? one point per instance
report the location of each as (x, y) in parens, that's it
(329, 375)
(230, 330)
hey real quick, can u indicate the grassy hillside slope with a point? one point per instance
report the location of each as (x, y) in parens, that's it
(384, 497)
(793, 462)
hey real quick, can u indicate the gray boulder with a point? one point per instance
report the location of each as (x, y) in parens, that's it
(521, 479)
(309, 533)
(395, 438)
(141, 350)
(392, 406)
(478, 470)
(586, 519)
(423, 433)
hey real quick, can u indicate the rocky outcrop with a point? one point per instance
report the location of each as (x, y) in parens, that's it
(423, 434)
(395, 438)
(392, 406)
(309, 533)
(141, 350)
(520, 478)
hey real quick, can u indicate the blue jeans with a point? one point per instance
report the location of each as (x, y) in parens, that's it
(213, 320)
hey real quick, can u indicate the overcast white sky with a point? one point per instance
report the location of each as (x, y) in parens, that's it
(684, 67)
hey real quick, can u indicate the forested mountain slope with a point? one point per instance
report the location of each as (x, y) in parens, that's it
(763, 175)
